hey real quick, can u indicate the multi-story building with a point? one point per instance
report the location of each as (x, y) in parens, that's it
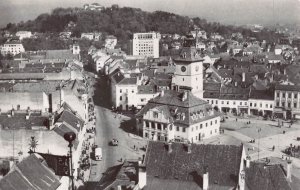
(89, 36)
(12, 47)
(178, 116)
(110, 42)
(189, 69)
(146, 44)
(287, 100)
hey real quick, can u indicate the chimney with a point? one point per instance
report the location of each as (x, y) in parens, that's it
(248, 161)
(184, 96)
(162, 93)
(142, 175)
(243, 77)
(289, 170)
(205, 180)
(235, 83)
(12, 112)
(169, 147)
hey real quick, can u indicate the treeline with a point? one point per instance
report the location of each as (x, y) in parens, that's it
(123, 22)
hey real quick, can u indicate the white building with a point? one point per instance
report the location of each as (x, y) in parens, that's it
(89, 36)
(146, 44)
(178, 116)
(23, 34)
(12, 47)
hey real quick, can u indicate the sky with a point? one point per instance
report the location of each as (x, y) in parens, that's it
(223, 11)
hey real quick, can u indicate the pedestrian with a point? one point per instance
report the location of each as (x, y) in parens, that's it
(273, 148)
(134, 147)
(236, 119)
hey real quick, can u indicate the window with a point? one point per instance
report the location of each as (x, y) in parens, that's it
(205, 124)
(159, 126)
(155, 114)
(241, 103)
(227, 102)
(177, 128)
(216, 101)
(277, 104)
(120, 90)
(254, 104)
(233, 102)
(216, 121)
(196, 127)
(283, 104)
(260, 105)
(147, 124)
(250, 104)
(283, 95)
(132, 91)
(182, 79)
(120, 97)
(289, 104)
(267, 105)
(192, 128)
(245, 103)
(290, 95)
(210, 131)
(212, 101)
(278, 95)
(222, 102)
(272, 106)
(295, 105)
(210, 122)
(216, 130)
(201, 126)
(183, 129)
(295, 95)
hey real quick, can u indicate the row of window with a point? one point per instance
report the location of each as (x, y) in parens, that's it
(132, 91)
(241, 103)
(160, 126)
(288, 104)
(206, 124)
(289, 95)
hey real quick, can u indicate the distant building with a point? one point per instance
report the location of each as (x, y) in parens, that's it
(146, 44)
(12, 47)
(89, 36)
(110, 42)
(93, 7)
(23, 34)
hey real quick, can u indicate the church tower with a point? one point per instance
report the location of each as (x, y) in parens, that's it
(189, 69)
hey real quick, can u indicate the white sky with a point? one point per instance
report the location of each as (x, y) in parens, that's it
(225, 11)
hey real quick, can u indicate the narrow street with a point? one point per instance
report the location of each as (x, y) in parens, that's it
(108, 127)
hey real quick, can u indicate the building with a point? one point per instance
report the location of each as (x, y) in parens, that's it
(93, 7)
(180, 166)
(146, 44)
(189, 69)
(111, 42)
(287, 101)
(12, 48)
(178, 116)
(31, 173)
(23, 34)
(89, 36)
(123, 176)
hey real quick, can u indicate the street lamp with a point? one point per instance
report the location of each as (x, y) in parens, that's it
(70, 137)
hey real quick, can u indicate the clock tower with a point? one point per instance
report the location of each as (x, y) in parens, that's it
(189, 69)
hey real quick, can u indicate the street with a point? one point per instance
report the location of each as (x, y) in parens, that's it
(108, 127)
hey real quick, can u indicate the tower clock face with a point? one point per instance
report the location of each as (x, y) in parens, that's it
(183, 68)
(197, 68)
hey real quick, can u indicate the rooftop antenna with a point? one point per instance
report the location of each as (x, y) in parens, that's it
(32, 145)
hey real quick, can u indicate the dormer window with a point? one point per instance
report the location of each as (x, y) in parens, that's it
(155, 115)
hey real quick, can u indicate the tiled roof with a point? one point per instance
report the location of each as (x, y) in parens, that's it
(19, 121)
(60, 54)
(189, 54)
(221, 161)
(185, 112)
(227, 92)
(288, 87)
(41, 86)
(128, 81)
(117, 76)
(30, 174)
(261, 94)
(146, 89)
(71, 119)
(266, 177)
(22, 76)
(211, 86)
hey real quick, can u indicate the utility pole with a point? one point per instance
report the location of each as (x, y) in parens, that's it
(258, 142)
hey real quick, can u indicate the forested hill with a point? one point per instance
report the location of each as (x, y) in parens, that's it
(123, 22)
